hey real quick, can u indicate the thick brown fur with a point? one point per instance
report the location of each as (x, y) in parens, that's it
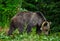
(29, 18)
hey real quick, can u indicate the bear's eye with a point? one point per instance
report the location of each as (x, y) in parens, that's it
(46, 30)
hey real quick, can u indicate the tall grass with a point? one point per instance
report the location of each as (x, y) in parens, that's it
(28, 37)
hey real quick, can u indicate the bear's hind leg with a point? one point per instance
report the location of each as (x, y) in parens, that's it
(12, 28)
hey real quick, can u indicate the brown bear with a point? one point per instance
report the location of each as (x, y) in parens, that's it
(29, 19)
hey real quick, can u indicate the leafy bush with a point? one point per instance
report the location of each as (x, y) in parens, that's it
(8, 8)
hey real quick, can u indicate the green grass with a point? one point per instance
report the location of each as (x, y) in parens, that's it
(26, 37)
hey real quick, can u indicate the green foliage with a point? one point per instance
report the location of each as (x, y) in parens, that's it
(50, 8)
(30, 37)
(8, 8)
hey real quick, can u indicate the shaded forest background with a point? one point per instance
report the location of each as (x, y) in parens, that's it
(50, 8)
